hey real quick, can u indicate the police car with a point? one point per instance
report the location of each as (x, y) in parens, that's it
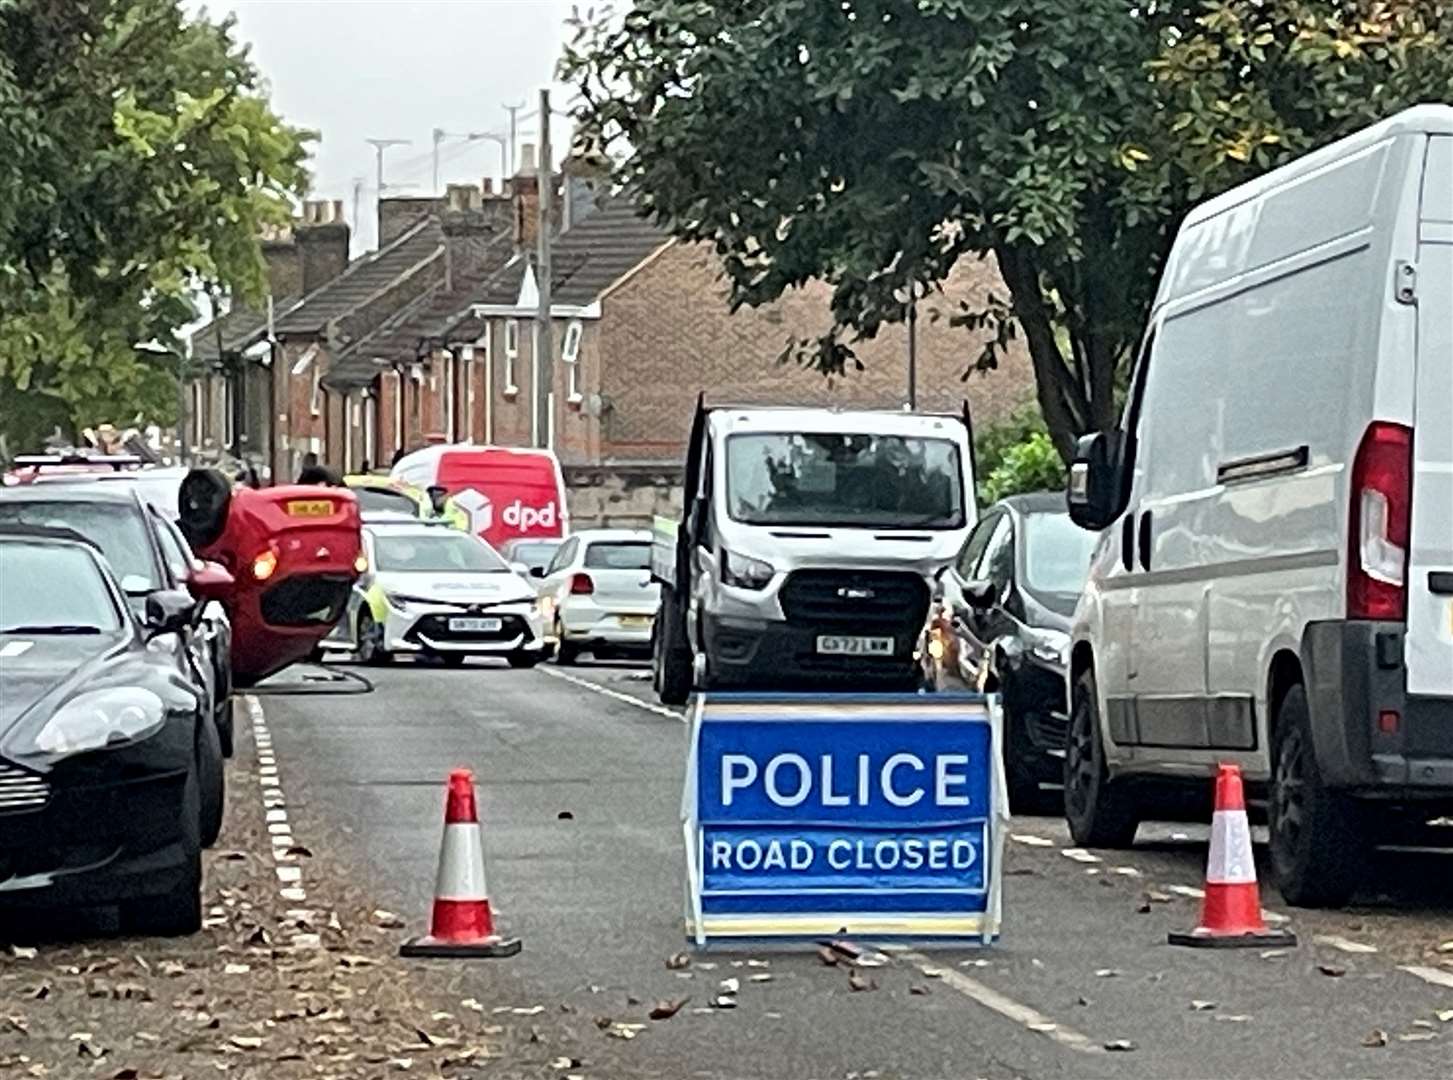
(436, 592)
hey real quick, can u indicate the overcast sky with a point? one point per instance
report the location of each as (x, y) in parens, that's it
(397, 69)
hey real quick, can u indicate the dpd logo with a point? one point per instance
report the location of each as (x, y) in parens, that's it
(524, 518)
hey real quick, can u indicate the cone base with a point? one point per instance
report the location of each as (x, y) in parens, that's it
(430, 947)
(1201, 938)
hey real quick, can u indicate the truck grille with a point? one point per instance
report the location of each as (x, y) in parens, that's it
(856, 598)
(21, 790)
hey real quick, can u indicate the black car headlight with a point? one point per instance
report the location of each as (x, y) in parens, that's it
(744, 572)
(102, 718)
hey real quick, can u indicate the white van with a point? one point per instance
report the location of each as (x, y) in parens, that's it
(1274, 586)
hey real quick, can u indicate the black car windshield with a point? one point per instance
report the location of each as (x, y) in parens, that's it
(443, 552)
(535, 554)
(118, 529)
(53, 586)
(616, 555)
(372, 499)
(848, 479)
(1056, 554)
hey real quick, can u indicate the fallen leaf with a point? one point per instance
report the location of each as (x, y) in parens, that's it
(625, 1031)
(1445, 947)
(729, 986)
(22, 952)
(725, 1001)
(760, 977)
(562, 1063)
(565, 815)
(1231, 1018)
(679, 962)
(387, 920)
(919, 990)
(298, 851)
(246, 1042)
(1082, 1000)
(603, 1022)
(172, 968)
(1417, 1036)
(471, 1003)
(353, 960)
(933, 973)
(1155, 896)
(827, 957)
(1107, 973)
(533, 1010)
(1375, 1037)
(1029, 840)
(1273, 954)
(759, 963)
(236, 969)
(1445, 1015)
(1332, 971)
(665, 1010)
(1080, 855)
(1202, 1006)
(1120, 1046)
(857, 982)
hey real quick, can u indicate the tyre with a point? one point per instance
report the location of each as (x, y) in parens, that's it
(523, 660)
(670, 659)
(370, 641)
(211, 783)
(178, 911)
(1317, 836)
(1022, 776)
(1101, 813)
(567, 653)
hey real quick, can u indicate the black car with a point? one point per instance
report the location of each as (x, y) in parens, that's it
(1011, 596)
(104, 740)
(147, 554)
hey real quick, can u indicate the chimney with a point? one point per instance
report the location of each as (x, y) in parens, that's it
(284, 264)
(398, 215)
(470, 222)
(322, 243)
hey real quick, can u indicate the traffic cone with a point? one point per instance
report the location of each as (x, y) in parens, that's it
(463, 925)
(1231, 914)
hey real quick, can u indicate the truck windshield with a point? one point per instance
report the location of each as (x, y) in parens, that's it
(846, 479)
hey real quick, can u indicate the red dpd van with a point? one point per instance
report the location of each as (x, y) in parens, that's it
(508, 492)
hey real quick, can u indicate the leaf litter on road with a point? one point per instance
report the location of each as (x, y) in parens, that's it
(665, 1010)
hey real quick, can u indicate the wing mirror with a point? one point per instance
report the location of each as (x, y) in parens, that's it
(1094, 487)
(980, 594)
(170, 611)
(536, 571)
(210, 581)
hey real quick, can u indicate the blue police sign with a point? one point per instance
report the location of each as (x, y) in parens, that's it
(876, 814)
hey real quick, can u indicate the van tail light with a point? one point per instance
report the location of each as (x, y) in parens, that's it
(581, 585)
(1378, 525)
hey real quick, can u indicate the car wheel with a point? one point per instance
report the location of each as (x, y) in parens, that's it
(211, 783)
(226, 729)
(670, 661)
(1021, 772)
(567, 653)
(370, 641)
(522, 660)
(178, 911)
(1100, 812)
(1317, 836)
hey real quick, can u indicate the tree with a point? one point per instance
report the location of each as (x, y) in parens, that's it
(874, 143)
(139, 160)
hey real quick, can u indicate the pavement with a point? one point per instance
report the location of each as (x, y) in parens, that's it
(580, 785)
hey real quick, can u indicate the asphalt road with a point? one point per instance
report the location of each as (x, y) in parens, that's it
(580, 787)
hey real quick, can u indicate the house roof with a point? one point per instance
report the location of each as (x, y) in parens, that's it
(363, 278)
(427, 319)
(589, 258)
(241, 327)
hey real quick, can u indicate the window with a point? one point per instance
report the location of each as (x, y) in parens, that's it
(631, 555)
(48, 584)
(118, 531)
(174, 550)
(997, 565)
(315, 403)
(974, 547)
(564, 556)
(512, 352)
(570, 354)
(229, 434)
(444, 551)
(1056, 554)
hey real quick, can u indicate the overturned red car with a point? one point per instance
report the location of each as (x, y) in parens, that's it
(294, 553)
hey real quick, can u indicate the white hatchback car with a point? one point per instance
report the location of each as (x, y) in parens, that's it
(599, 595)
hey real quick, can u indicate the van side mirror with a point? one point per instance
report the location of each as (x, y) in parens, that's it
(1094, 484)
(980, 594)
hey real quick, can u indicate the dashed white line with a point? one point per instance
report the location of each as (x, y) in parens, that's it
(280, 831)
(993, 1000)
(659, 710)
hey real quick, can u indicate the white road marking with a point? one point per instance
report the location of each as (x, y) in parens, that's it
(1007, 1007)
(1430, 975)
(290, 876)
(659, 710)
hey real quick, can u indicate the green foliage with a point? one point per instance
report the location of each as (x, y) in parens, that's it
(874, 143)
(139, 159)
(1015, 456)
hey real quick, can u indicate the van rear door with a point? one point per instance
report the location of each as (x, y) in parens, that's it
(1429, 650)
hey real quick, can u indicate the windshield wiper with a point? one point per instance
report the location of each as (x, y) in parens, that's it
(57, 628)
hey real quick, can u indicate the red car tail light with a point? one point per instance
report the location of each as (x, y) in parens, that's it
(1378, 523)
(581, 585)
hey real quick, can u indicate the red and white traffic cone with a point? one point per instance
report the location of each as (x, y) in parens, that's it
(1231, 914)
(463, 925)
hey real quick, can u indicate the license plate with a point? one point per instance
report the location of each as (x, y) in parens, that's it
(839, 645)
(634, 621)
(464, 625)
(310, 507)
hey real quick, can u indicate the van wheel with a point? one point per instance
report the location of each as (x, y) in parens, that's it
(1100, 812)
(670, 662)
(1317, 836)
(178, 911)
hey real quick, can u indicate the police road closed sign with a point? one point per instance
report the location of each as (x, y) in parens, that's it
(876, 814)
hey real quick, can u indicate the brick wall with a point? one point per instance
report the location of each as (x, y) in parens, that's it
(666, 334)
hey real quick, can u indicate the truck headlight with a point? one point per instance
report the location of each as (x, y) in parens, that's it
(1048, 646)
(745, 573)
(102, 718)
